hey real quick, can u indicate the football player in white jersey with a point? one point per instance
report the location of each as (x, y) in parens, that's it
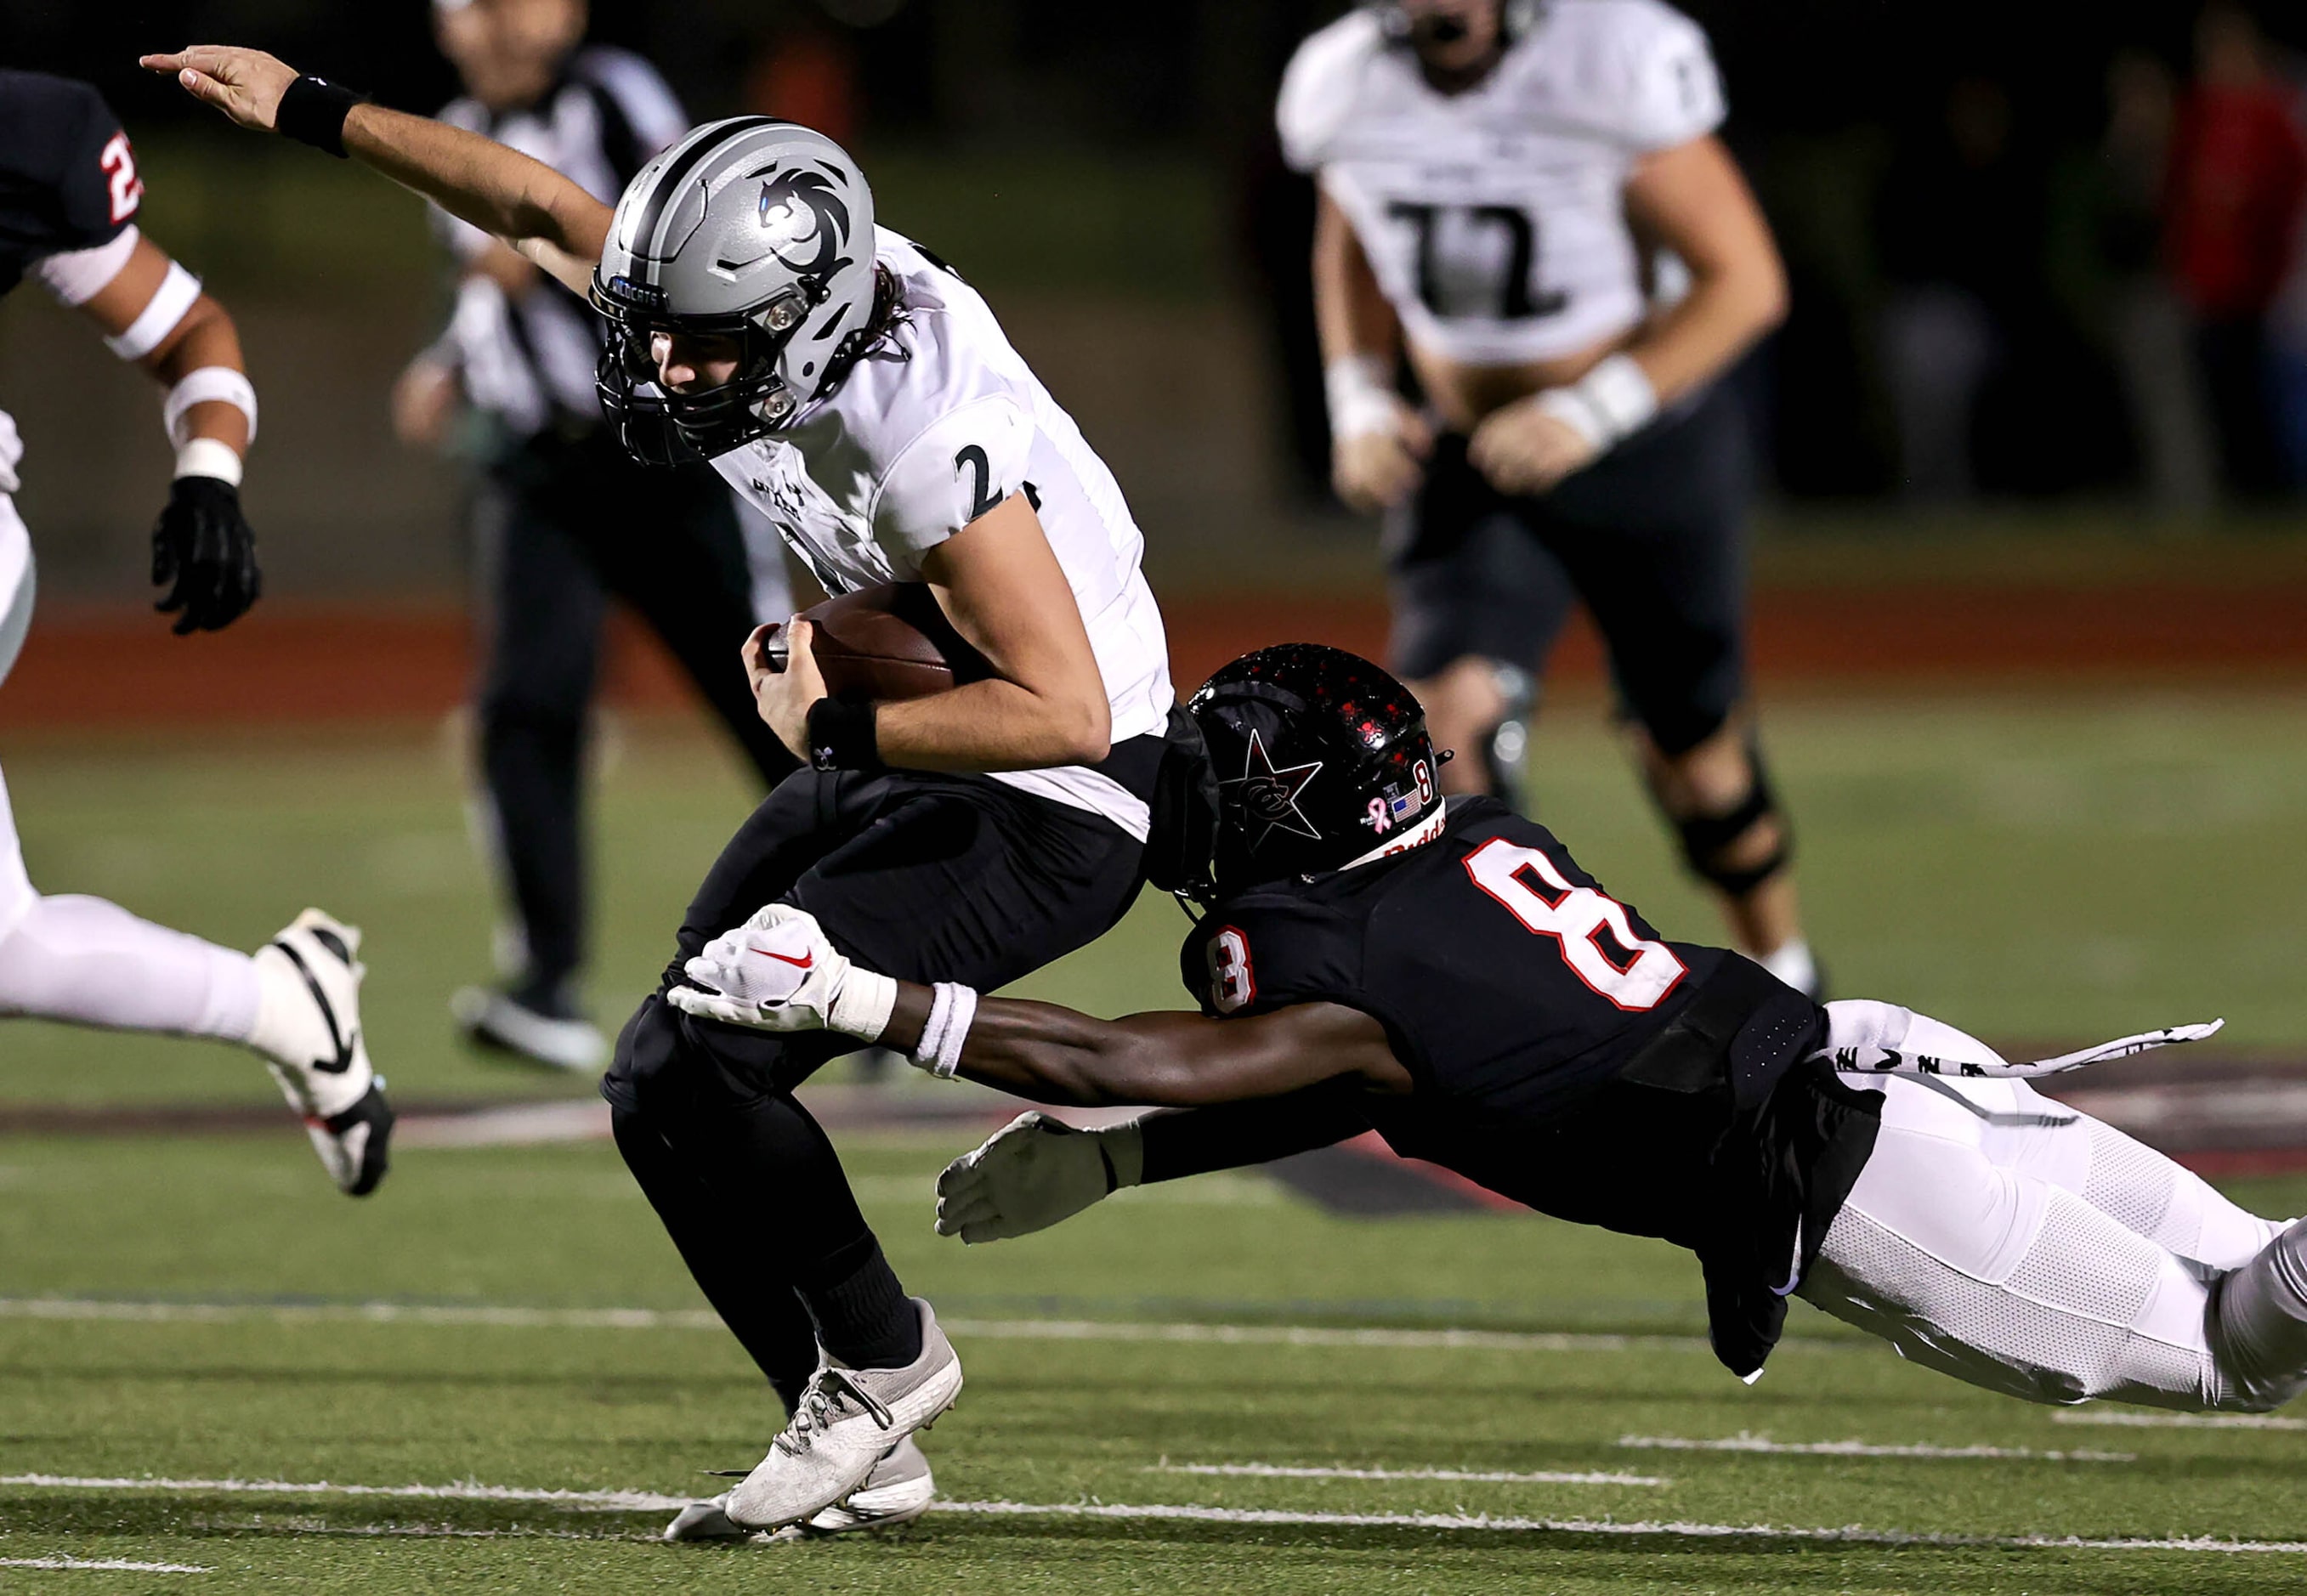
(862, 395)
(1528, 202)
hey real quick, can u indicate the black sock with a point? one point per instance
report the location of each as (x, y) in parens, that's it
(864, 1317)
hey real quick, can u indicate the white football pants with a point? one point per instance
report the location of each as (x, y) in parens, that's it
(2016, 1244)
(82, 958)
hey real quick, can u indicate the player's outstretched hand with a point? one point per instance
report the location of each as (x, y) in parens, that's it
(1523, 449)
(779, 972)
(204, 555)
(1031, 1174)
(245, 85)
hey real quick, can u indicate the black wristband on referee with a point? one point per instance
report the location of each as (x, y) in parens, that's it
(312, 111)
(842, 735)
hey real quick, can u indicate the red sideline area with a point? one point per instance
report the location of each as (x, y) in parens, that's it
(302, 661)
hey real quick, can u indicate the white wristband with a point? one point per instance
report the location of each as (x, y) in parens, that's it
(952, 1009)
(860, 1009)
(1607, 405)
(209, 385)
(208, 457)
(1359, 388)
(178, 292)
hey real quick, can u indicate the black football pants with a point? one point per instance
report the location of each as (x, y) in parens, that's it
(923, 877)
(564, 527)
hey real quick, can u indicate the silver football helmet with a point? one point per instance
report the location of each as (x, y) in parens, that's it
(751, 228)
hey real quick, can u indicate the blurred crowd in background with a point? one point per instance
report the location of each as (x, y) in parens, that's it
(2053, 249)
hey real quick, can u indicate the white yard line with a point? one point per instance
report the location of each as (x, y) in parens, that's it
(1274, 1471)
(1586, 1526)
(582, 1501)
(2177, 1421)
(1007, 1329)
(103, 1564)
(1755, 1443)
(613, 1501)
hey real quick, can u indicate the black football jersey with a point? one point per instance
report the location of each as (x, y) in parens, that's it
(1509, 980)
(67, 176)
(1565, 1056)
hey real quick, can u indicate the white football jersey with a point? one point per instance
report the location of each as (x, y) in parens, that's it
(1494, 219)
(935, 426)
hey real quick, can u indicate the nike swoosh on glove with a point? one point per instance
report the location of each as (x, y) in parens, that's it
(779, 972)
(204, 554)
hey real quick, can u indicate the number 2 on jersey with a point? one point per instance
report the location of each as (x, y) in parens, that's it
(124, 187)
(1634, 973)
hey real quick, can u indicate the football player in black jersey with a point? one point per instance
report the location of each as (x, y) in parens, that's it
(69, 194)
(1443, 973)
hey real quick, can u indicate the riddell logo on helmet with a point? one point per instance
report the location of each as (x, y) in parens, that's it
(645, 296)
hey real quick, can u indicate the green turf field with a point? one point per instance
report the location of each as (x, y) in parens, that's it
(183, 1328)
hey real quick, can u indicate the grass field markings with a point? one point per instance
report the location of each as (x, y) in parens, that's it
(1744, 1442)
(132, 1311)
(581, 1501)
(1276, 1471)
(613, 1501)
(1206, 1192)
(2180, 1420)
(104, 1566)
(1587, 1526)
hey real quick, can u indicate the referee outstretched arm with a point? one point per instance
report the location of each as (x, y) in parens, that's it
(997, 579)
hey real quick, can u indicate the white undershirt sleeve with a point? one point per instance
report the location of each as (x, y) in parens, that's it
(75, 277)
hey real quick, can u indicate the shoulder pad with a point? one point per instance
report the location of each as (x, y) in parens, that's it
(1268, 948)
(62, 136)
(1640, 70)
(1323, 80)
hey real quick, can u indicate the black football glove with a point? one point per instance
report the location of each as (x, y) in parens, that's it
(205, 555)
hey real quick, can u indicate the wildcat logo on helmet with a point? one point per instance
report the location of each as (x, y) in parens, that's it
(800, 212)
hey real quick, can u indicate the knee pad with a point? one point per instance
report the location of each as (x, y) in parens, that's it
(1705, 837)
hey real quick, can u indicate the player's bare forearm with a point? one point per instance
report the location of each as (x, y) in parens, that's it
(205, 337)
(1053, 1055)
(1693, 199)
(993, 725)
(1351, 316)
(1001, 585)
(497, 189)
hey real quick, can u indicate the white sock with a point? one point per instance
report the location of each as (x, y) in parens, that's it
(92, 962)
(1791, 962)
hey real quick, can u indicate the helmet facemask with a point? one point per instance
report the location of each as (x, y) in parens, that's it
(660, 427)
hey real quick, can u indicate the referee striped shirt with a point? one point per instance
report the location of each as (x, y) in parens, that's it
(529, 361)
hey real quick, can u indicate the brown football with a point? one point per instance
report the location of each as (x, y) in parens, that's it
(887, 641)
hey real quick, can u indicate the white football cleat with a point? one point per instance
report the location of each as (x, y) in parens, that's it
(848, 1420)
(502, 1022)
(898, 1491)
(308, 1027)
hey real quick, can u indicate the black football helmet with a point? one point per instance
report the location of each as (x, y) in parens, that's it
(1320, 756)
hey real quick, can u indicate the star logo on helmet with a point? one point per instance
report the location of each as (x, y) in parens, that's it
(1271, 795)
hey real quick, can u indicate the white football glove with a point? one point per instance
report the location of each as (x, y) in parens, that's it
(1031, 1173)
(778, 972)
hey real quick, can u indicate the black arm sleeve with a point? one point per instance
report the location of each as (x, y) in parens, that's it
(1231, 1135)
